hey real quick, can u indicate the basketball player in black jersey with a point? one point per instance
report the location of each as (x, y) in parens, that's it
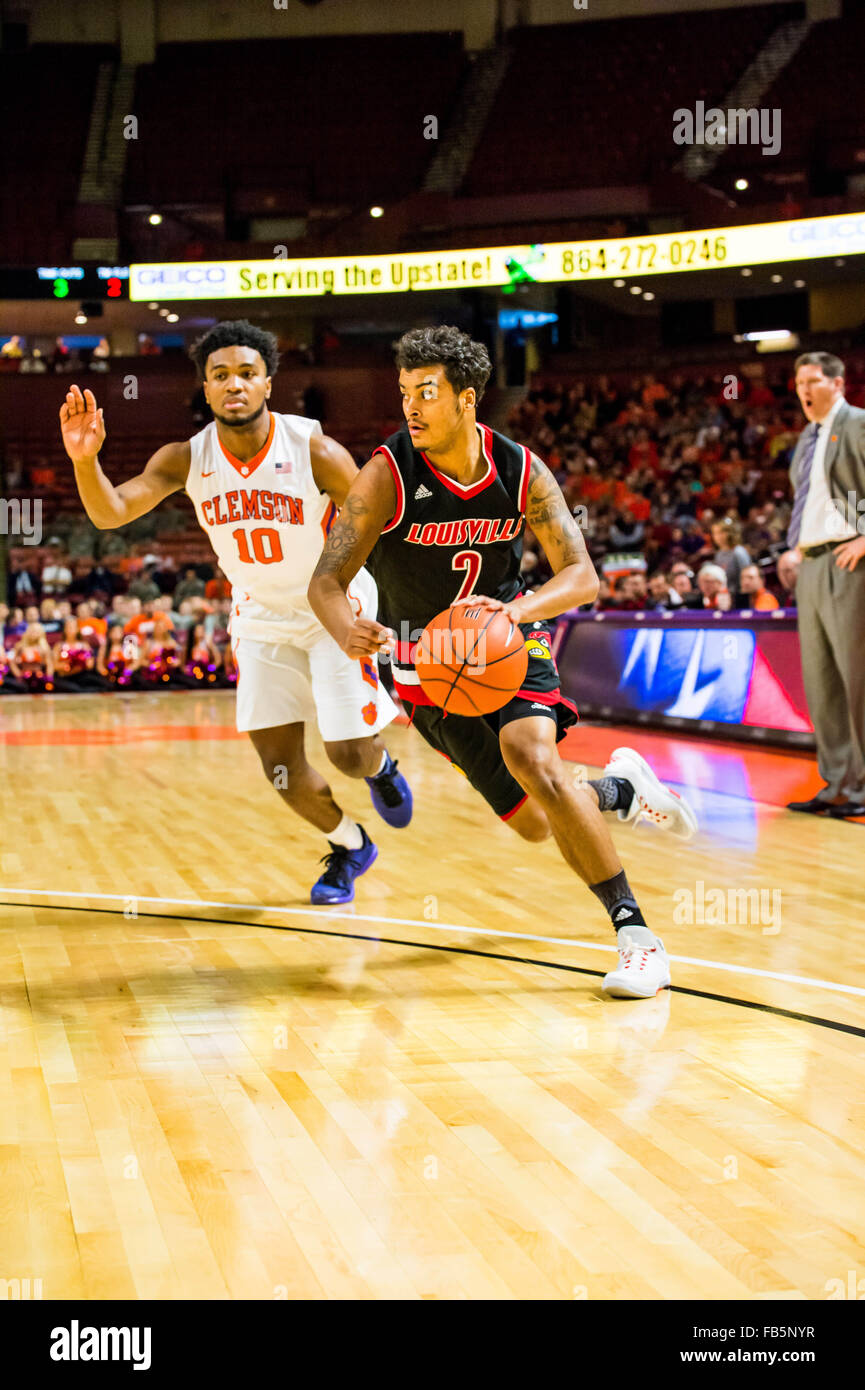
(438, 515)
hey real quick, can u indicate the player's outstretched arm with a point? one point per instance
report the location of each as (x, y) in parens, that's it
(83, 430)
(369, 505)
(575, 579)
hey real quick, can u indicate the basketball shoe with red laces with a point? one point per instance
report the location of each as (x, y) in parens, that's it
(652, 801)
(643, 967)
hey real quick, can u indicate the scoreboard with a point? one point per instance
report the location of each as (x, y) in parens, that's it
(65, 282)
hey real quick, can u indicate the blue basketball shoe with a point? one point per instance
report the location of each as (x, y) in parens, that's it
(342, 867)
(391, 794)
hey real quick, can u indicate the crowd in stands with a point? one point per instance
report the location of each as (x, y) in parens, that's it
(61, 357)
(680, 486)
(100, 631)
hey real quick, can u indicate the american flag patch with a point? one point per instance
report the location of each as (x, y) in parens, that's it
(286, 467)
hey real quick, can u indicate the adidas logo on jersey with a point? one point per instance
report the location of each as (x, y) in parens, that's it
(422, 492)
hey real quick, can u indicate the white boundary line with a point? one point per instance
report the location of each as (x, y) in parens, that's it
(324, 915)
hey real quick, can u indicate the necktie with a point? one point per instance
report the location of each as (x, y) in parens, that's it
(803, 483)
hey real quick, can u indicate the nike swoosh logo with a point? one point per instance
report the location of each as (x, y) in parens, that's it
(210, 474)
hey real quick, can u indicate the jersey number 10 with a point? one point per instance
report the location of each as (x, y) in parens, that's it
(266, 545)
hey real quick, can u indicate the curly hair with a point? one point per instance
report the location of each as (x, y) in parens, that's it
(235, 333)
(465, 362)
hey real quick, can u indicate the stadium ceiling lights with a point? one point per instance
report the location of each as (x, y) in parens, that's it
(155, 218)
(767, 335)
(741, 185)
(376, 211)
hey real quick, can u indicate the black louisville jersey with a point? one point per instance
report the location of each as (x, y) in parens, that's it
(447, 540)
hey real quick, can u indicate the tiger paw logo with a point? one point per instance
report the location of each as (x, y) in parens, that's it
(370, 713)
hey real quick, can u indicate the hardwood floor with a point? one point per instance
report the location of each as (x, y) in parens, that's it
(210, 1089)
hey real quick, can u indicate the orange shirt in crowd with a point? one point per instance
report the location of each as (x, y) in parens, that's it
(136, 624)
(217, 588)
(93, 627)
(640, 507)
(764, 602)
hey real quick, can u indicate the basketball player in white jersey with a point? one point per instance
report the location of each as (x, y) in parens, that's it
(266, 490)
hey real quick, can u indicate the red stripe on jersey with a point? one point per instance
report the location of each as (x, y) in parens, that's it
(250, 465)
(472, 489)
(546, 697)
(524, 480)
(398, 484)
(522, 801)
(411, 694)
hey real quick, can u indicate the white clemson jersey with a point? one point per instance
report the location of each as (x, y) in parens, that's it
(267, 522)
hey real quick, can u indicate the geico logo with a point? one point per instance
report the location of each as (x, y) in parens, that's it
(829, 230)
(178, 275)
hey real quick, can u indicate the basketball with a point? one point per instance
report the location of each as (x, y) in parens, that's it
(471, 660)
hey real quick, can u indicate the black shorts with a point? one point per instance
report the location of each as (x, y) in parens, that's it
(472, 744)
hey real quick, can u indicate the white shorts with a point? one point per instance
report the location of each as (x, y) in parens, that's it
(278, 683)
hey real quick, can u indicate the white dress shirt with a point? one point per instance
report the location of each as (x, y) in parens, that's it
(823, 519)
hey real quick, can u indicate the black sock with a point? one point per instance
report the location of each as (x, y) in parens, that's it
(614, 793)
(616, 896)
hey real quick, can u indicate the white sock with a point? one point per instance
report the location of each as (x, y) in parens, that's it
(382, 765)
(348, 834)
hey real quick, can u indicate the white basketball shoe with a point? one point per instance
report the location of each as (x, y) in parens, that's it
(652, 801)
(643, 967)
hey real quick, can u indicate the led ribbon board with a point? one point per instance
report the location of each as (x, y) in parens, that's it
(561, 262)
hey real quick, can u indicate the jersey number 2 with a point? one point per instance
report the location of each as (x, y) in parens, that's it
(470, 561)
(266, 545)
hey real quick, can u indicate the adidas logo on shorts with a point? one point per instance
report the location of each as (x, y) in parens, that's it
(422, 492)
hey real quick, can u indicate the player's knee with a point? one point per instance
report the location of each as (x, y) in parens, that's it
(535, 768)
(351, 757)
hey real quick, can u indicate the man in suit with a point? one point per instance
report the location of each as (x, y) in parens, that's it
(827, 542)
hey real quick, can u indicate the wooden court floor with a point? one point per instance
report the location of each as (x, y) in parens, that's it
(209, 1089)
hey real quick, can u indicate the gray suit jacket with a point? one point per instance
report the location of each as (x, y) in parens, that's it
(844, 461)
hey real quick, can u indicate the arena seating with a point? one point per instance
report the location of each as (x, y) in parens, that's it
(822, 123)
(590, 105)
(47, 96)
(306, 120)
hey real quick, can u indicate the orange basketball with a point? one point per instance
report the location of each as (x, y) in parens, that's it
(471, 660)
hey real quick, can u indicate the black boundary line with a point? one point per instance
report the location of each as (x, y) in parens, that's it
(453, 950)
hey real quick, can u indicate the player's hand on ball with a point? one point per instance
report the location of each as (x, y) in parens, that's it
(366, 637)
(81, 425)
(512, 609)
